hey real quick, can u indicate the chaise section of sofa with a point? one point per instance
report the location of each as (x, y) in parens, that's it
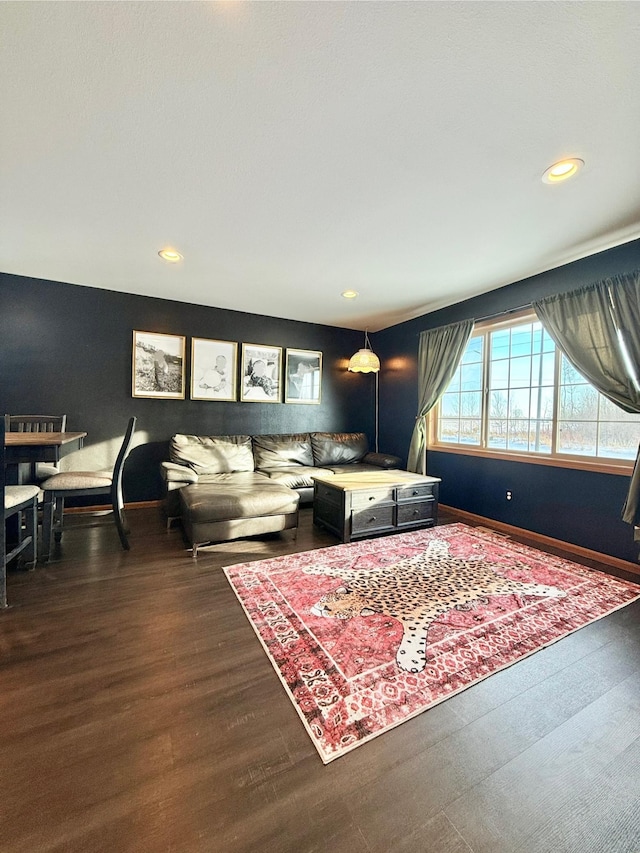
(226, 486)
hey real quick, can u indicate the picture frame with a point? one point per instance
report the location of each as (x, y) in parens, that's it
(158, 365)
(303, 372)
(214, 369)
(261, 373)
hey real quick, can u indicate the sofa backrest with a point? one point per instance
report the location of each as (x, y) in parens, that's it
(338, 448)
(282, 451)
(213, 454)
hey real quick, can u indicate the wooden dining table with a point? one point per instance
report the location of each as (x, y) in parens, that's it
(25, 449)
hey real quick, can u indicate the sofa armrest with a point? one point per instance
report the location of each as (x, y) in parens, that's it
(173, 474)
(383, 460)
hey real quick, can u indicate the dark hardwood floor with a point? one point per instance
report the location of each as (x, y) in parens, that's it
(140, 713)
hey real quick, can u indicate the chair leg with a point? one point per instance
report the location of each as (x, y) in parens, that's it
(48, 511)
(58, 513)
(117, 507)
(121, 524)
(3, 564)
(31, 524)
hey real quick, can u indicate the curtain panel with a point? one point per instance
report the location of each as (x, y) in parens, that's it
(439, 353)
(598, 329)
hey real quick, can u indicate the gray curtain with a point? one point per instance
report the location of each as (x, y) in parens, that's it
(598, 329)
(439, 354)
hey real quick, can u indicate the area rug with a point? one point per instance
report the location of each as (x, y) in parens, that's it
(366, 635)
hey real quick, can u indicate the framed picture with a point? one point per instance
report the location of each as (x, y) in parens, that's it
(303, 376)
(214, 367)
(261, 370)
(158, 365)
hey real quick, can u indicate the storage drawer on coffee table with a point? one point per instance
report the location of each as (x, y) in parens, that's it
(372, 497)
(370, 519)
(417, 492)
(415, 513)
(327, 494)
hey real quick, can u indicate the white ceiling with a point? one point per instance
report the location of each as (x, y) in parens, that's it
(291, 150)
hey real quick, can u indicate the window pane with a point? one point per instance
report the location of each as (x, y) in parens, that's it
(520, 372)
(471, 377)
(577, 437)
(540, 436)
(521, 340)
(619, 440)
(578, 402)
(470, 403)
(537, 339)
(497, 433)
(518, 435)
(449, 430)
(545, 400)
(542, 369)
(449, 405)
(500, 344)
(499, 374)
(498, 405)
(470, 431)
(548, 368)
(519, 404)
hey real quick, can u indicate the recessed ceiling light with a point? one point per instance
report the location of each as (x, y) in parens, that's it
(349, 294)
(562, 170)
(170, 255)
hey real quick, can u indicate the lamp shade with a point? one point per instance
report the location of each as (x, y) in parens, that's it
(364, 361)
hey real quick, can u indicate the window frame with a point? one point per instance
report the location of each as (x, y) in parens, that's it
(604, 465)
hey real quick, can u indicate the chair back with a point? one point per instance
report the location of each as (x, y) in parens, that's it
(125, 447)
(35, 423)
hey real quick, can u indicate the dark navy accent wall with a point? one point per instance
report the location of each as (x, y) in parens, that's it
(581, 507)
(67, 349)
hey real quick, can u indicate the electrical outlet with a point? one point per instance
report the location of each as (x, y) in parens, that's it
(509, 495)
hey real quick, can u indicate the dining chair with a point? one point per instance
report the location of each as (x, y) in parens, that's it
(20, 501)
(71, 484)
(37, 423)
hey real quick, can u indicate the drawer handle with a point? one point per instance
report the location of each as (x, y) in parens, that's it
(373, 518)
(416, 512)
(372, 497)
(416, 492)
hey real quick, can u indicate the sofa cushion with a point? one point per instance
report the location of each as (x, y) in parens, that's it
(282, 451)
(297, 477)
(243, 478)
(338, 448)
(382, 460)
(213, 454)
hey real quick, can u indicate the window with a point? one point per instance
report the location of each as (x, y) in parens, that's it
(516, 393)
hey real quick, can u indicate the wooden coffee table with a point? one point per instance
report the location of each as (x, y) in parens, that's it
(354, 506)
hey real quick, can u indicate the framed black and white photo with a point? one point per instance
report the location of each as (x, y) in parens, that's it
(158, 365)
(214, 367)
(303, 376)
(261, 371)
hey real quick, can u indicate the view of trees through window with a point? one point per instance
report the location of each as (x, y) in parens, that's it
(513, 391)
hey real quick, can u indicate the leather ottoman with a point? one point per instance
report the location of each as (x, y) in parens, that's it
(217, 512)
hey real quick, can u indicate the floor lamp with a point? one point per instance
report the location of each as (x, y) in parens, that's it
(366, 361)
